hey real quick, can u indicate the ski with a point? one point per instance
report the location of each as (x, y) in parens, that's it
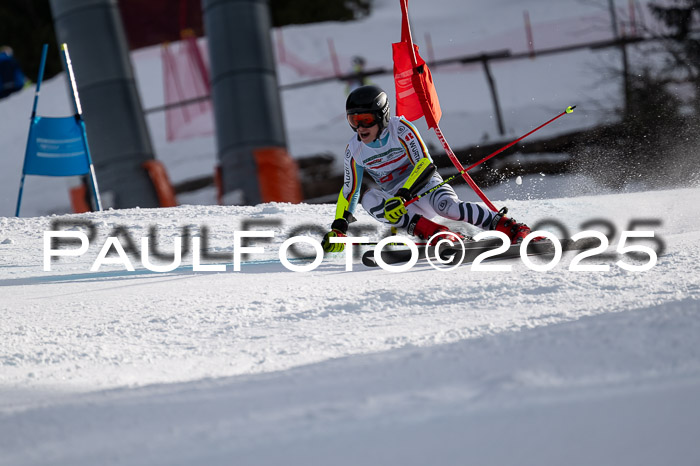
(392, 256)
(474, 249)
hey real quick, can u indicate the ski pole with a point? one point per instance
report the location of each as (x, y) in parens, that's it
(387, 244)
(411, 201)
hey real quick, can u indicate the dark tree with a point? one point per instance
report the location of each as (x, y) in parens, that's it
(683, 47)
(25, 25)
(656, 139)
(313, 11)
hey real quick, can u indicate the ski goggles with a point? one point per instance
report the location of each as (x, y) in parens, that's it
(364, 120)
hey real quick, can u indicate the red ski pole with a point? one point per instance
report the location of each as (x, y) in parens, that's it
(464, 171)
(568, 110)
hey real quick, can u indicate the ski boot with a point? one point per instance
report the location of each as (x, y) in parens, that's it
(515, 231)
(425, 229)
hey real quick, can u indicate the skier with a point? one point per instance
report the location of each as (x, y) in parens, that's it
(358, 80)
(392, 152)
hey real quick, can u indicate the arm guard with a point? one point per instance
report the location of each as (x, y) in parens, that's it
(343, 217)
(419, 177)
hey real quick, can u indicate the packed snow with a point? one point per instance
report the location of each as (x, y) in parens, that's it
(270, 366)
(267, 365)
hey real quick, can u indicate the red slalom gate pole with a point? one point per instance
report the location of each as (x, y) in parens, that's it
(462, 172)
(406, 34)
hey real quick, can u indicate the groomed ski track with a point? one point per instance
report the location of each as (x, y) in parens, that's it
(268, 366)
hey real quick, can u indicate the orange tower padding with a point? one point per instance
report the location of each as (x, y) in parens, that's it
(219, 183)
(278, 175)
(78, 199)
(161, 182)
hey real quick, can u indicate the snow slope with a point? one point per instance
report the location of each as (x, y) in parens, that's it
(269, 366)
(265, 366)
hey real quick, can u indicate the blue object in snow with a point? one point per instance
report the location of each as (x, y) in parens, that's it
(11, 77)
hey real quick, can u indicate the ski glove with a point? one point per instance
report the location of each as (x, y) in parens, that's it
(394, 209)
(332, 247)
(339, 228)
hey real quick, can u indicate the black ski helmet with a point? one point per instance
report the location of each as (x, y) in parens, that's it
(369, 99)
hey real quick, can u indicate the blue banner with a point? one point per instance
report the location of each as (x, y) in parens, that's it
(56, 147)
